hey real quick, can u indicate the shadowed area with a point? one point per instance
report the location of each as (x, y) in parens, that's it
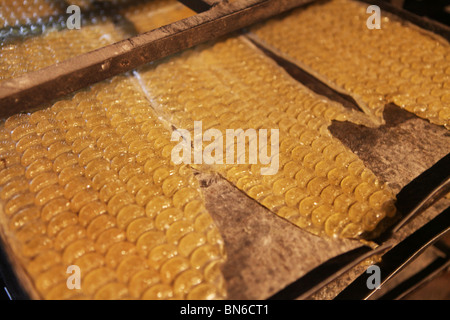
(398, 151)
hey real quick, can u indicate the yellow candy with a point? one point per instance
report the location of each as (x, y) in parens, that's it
(96, 279)
(50, 278)
(130, 266)
(138, 227)
(389, 55)
(129, 213)
(76, 250)
(189, 242)
(23, 217)
(14, 187)
(43, 262)
(60, 222)
(158, 292)
(142, 280)
(172, 268)
(187, 280)
(68, 235)
(18, 202)
(160, 254)
(89, 262)
(100, 224)
(167, 217)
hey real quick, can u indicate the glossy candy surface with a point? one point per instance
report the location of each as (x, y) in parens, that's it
(397, 63)
(232, 85)
(90, 181)
(130, 228)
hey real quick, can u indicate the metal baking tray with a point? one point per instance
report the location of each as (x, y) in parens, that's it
(268, 257)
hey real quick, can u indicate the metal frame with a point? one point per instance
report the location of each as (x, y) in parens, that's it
(215, 19)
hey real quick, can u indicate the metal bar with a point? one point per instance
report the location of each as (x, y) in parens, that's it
(423, 191)
(430, 272)
(35, 88)
(307, 285)
(418, 279)
(400, 256)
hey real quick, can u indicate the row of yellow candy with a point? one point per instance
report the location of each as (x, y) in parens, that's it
(89, 182)
(396, 63)
(321, 185)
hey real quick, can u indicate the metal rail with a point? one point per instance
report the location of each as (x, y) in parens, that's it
(400, 256)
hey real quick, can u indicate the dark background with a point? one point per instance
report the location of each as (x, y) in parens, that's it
(438, 10)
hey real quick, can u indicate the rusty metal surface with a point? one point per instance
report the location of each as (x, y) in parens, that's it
(265, 253)
(397, 152)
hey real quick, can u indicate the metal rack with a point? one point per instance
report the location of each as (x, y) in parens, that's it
(215, 19)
